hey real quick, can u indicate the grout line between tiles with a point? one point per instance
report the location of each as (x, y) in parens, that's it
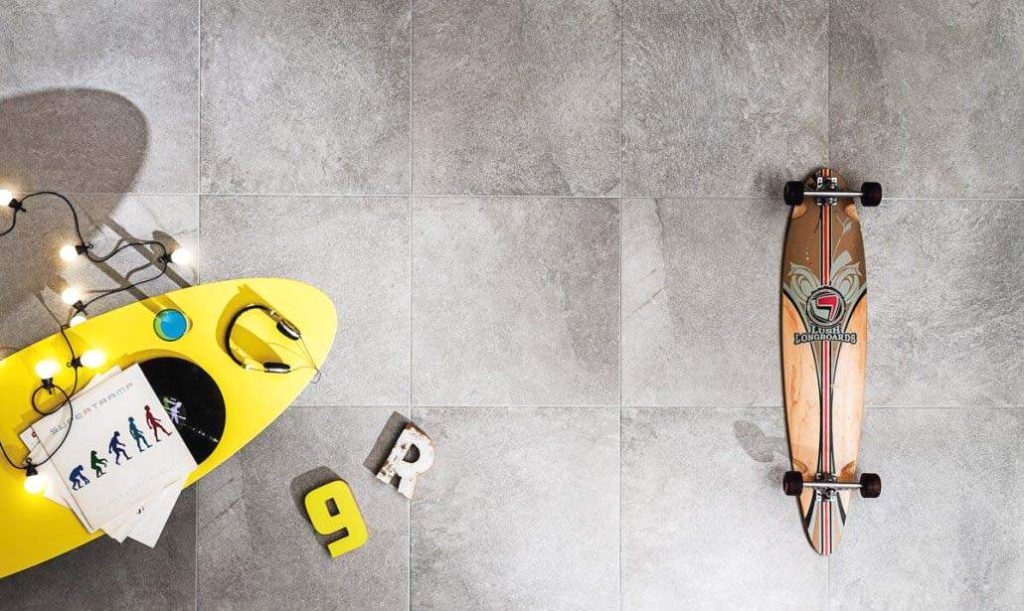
(412, 175)
(412, 195)
(412, 168)
(632, 406)
(408, 522)
(622, 163)
(410, 253)
(622, 100)
(408, 517)
(620, 405)
(828, 583)
(198, 259)
(680, 196)
(467, 407)
(408, 538)
(195, 552)
(881, 408)
(685, 196)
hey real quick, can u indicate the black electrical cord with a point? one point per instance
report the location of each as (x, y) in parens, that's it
(85, 248)
(82, 247)
(50, 387)
(161, 263)
(14, 221)
(71, 418)
(74, 366)
(71, 207)
(67, 431)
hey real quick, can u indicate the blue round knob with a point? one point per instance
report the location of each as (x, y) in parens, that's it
(170, 325)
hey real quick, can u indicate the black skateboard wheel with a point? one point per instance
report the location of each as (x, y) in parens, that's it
(871, 194)
(793, 483)
(793, 193)
(870, 485)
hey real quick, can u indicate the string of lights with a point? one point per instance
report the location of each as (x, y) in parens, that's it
(47, 369)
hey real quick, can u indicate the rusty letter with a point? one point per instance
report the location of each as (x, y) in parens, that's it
(397, 466)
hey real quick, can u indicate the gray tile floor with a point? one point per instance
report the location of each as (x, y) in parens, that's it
(552, 232)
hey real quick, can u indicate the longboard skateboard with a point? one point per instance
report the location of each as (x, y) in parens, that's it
(824, 350)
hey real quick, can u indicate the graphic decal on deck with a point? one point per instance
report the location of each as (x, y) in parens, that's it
(826, 308)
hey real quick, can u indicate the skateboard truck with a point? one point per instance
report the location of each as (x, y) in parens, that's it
(870, 485)
(826, 191)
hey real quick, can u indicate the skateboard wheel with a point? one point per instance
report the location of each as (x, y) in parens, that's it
(871, 194)
(870, 485)
(793, 193)
(793, 483)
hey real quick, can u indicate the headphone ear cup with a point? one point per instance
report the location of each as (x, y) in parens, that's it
(273, 367)
(288, 330)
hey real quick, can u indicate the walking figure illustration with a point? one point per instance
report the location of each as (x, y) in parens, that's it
(97, 464)
(173, 408)
(154, 423)
(117, 448)
(137, 435)
(78, 479)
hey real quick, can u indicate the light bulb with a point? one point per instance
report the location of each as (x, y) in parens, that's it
(71, 295)
(93, 358)
(34, 483)
(5, 197)
(77, 319)
(47, 368)
(68, 252)
(181, 256)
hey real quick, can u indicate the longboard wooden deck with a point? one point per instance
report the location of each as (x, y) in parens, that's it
(824, 350)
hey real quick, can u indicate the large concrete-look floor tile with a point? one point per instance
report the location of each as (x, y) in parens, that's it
(520, 510)
(356, 250)
(107, 575)
(33, 275)
(722, 98)
(926, 96)
(946, 321)
(700, 301)
(705, 524)
(946, 532)
(257, 549)
(307, 99)
(515, 301)
(99, 97)
(516, 97)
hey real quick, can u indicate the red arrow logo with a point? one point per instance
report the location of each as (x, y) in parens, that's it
(828, 302)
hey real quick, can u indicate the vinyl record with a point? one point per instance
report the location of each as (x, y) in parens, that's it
(191, 401)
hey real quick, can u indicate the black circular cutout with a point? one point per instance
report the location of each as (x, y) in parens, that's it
(191, 400)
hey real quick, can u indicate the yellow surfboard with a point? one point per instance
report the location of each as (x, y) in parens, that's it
(34, 529)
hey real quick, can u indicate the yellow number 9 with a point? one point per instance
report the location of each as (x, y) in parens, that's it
(347, 520)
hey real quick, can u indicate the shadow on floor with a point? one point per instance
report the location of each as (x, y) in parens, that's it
(87, 144)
